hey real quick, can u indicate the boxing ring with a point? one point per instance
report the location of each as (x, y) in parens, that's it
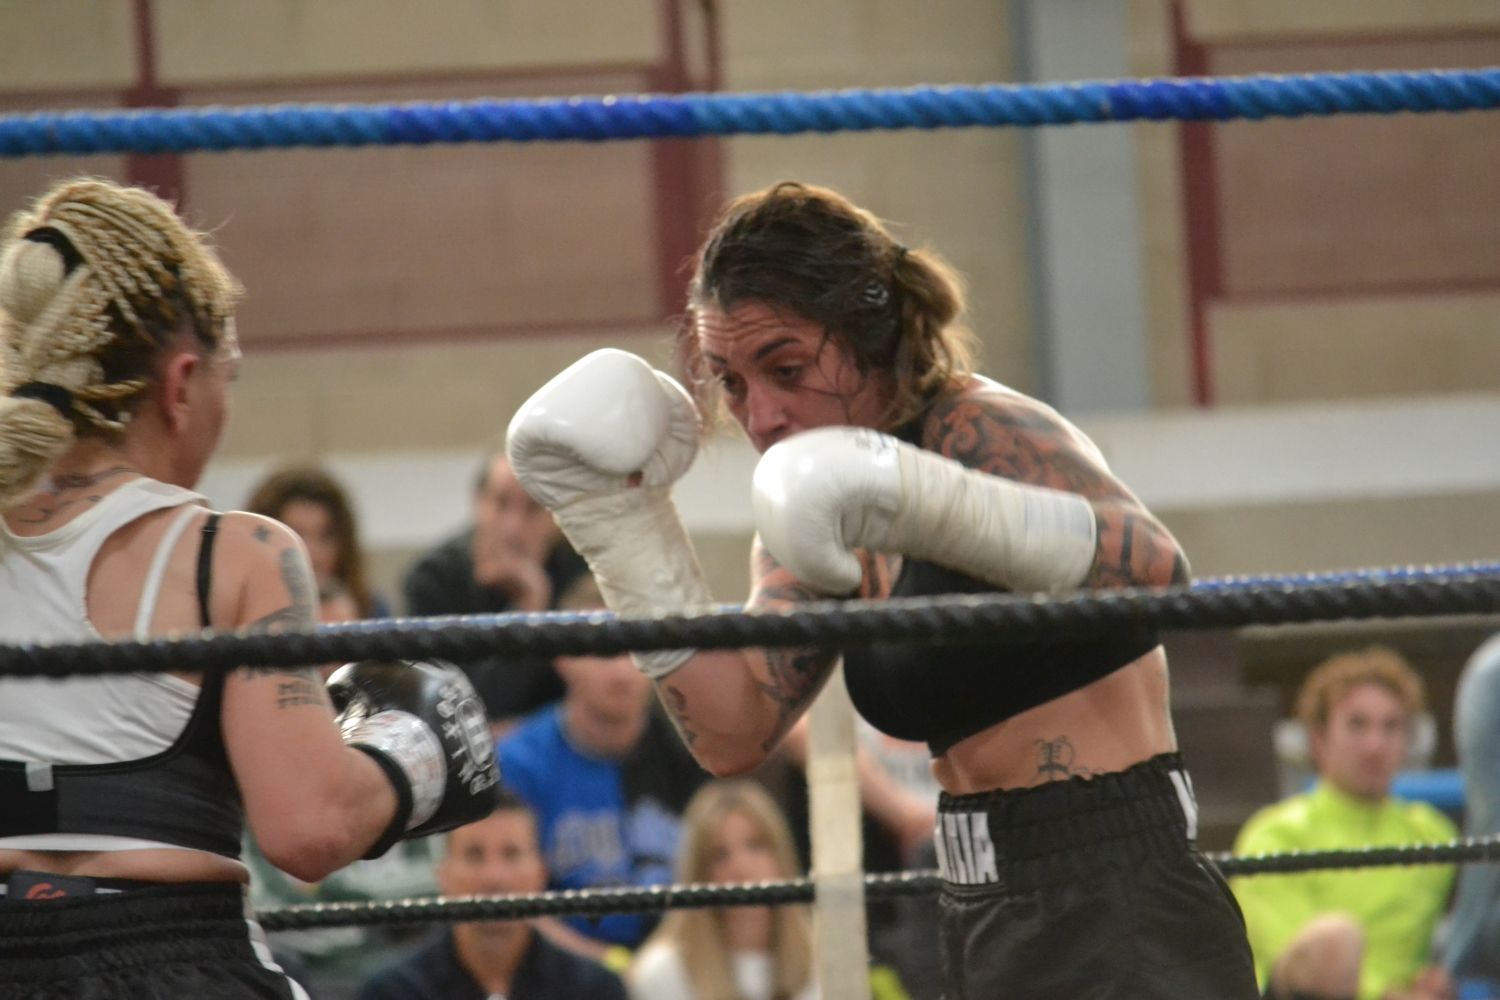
(1377, 593)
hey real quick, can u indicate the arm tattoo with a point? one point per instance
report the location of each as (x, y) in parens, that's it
(261, 533)
(796, 675)
(302, 613)
(295, 573)
(1132, 550)
(1020, 440)
(283, 619)
(295, 685)
(301, 690)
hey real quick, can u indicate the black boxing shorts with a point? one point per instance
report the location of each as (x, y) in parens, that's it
(92, 939)
(1087, 889)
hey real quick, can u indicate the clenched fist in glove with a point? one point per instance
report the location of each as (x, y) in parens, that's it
(427, 729)
(821, 494)
(600, 446)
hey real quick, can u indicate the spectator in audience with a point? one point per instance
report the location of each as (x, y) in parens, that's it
(731, 832)
(512, 558)
(1363, 933)
(493, 958)
(1474, 936)
(313, 504)
(608, 779)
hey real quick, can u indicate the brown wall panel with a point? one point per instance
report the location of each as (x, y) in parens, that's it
(405, 241)
(212, 41)
(1221, 21)
(1359, 202)
(1350, 348)
(406, 397)
(68, 45)
(1338, 534)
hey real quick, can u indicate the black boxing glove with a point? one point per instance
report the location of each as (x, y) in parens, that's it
(427, 729)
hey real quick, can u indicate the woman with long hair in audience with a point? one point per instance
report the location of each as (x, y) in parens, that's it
(732, 832)
(316, 506)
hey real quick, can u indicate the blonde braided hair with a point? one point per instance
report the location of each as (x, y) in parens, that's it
(95, 279)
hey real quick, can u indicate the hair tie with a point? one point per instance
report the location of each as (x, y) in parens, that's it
(57, 240)
(875, 295)
(55, 396)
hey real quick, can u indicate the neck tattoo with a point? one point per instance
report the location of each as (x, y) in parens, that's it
(55, 487)
(76, 481)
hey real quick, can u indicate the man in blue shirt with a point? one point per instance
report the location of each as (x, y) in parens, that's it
(608, 779)
(504, 958)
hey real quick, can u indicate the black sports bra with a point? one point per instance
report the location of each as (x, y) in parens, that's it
(944, 692)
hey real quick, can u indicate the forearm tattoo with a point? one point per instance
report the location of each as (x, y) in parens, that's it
(302, 690)
(294, 685)
(794, 675)
(1019, 439)
(1134, 550)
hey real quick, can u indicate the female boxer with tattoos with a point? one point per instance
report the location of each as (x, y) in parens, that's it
(123, 797)
(1066, 828)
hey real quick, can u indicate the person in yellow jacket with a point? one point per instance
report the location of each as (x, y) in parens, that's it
(1354, 933)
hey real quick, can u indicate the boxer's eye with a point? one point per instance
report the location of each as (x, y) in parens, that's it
(733, 384)
(787, 374)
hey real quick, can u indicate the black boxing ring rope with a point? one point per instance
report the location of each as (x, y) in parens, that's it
(996, 618)
(598, 902)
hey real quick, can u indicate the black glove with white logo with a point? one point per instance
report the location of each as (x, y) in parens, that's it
(427, 729)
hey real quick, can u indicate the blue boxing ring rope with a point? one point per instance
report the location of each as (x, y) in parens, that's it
(596, 119)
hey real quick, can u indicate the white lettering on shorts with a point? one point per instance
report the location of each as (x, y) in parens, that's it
(1184, 785)
(966, 854)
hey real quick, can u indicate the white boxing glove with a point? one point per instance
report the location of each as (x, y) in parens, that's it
(600, 446)
(821, 494)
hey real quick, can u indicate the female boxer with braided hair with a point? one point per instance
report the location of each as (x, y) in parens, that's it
(1066, 828)
(123, 797)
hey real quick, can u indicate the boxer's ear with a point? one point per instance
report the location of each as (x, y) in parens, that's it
(174, 395)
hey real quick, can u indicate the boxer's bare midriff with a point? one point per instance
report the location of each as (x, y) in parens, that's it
(1111, 724)
(147, 865)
